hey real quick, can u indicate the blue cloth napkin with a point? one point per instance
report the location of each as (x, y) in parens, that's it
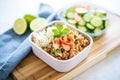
(13, 48)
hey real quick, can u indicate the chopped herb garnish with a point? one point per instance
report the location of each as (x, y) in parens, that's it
(56, 51)
(66, 30)
(56, 32)
(60, 31)
(59, 27)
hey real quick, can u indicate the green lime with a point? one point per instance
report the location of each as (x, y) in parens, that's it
(20, 26)
(38, 23)
(29, 17)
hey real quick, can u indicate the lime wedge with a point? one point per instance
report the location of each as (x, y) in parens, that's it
(29, 17)
(38, 23)
(20, 26)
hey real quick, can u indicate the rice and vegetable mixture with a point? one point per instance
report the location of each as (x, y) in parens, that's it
(60, 41)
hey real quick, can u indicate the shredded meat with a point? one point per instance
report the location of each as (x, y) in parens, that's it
(74, 43)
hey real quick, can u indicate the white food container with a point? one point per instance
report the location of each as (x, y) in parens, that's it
(61, 65)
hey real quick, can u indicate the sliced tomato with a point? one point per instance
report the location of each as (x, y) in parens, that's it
(57, 40)
(66, 43)
(77, 17)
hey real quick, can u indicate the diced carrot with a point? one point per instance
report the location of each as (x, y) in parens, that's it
(70, 37)
(57, 40)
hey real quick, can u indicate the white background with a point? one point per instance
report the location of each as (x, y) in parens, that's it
(108, 69)
(12, 9)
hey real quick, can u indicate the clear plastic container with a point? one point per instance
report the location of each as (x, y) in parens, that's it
(93, 6)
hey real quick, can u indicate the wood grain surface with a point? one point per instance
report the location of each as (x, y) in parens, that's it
(32, 68)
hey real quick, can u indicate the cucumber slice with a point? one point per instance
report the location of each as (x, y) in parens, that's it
(105, 22)
(96, 21)
(100, 13)
(20, 26)
(70, 15)
(97, 30)
(83, 28)
(38, 23)
(71, 21)
(87, 17)
(102, 27)
(89, 26)
(71, 10)
(93, 12)
(81, 10)
(29, 17)
(81, 22)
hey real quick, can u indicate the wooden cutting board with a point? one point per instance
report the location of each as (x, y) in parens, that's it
(32, 68)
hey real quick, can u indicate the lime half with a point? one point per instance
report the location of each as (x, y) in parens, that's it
(38, 23)
(29, 17)
(20, 26)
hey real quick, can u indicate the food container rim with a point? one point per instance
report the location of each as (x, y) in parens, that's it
(70, 26)
(81, 3)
